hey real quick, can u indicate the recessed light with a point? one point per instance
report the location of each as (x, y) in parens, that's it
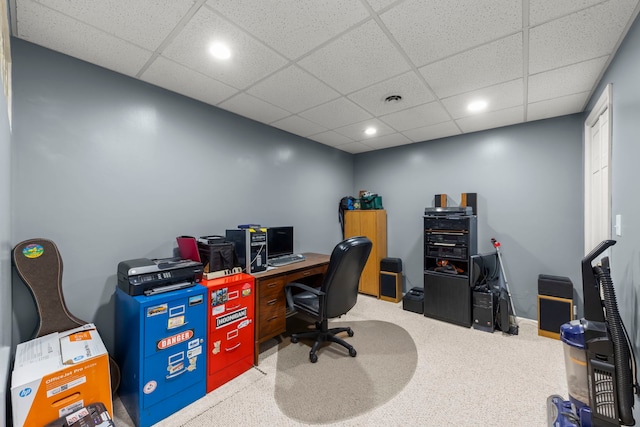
(370, 131)
(220, 51)
(476, 106)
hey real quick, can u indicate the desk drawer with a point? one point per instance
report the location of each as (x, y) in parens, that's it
(272, 317)
(297, 275)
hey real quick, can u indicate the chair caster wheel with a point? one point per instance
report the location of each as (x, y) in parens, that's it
(352, 352)
(350, 332)
(313, 357)
(294, 339)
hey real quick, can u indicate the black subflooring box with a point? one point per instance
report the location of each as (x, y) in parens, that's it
(414, 300)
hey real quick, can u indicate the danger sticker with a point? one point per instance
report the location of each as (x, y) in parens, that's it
(175, 339)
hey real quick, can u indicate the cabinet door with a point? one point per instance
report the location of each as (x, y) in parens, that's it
(448, 298)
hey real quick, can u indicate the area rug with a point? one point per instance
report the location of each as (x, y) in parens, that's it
(337, 386)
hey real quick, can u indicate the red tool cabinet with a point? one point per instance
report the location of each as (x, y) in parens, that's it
(230, 327)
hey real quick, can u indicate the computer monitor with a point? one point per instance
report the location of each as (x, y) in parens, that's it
(485, 271)
(279, 241)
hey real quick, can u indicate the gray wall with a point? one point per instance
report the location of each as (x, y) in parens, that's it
(111, 168)
(625, 175)
(529, 183)
(5, 251)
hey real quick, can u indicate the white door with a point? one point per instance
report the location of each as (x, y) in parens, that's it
(597, 167)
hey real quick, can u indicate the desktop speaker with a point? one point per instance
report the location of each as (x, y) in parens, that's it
(555, 304)
(391, 279)
(470, 199)
(440, 201)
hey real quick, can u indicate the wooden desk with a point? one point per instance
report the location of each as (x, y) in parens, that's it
(271, 304)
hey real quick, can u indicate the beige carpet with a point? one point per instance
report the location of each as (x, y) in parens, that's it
(463, 377)
(385, 363)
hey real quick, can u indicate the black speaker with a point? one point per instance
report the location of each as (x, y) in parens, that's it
(470, 199)
(484, 310)
(555, 304)
(393, 265)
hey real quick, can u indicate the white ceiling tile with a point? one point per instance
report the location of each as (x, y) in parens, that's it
(254, 108)
(575, 78)
(175, 77)
(330, 138)
(387, 141)
(545, 10)
(293, 89)
(498, 97)
(365, 56)
(572, 38)
(496, 62)
(354, 147)
(355, 131)
(250, 60)
(336, 113)
(378, 5)
(420, 116)
(557, 107)
(428, 31)
(51, 29)
(294, 27)
(409, 86)
(493, 119)
(122, 17)
(299, 126)
(427, 133)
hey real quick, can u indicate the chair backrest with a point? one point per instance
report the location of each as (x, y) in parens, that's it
(343, 275)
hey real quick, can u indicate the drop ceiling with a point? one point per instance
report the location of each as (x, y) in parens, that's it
(323, 69)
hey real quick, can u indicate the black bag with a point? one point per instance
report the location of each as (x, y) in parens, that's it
(217, 254)
(346, 204)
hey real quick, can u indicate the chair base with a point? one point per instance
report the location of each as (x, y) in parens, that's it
(321, 334)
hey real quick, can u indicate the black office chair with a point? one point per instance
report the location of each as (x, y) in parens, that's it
(336, 296)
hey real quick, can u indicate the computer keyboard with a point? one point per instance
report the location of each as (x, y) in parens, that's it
(286, 260)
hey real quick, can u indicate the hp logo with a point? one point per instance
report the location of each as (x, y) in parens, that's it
(25, 392)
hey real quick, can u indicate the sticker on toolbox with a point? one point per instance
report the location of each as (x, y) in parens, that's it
(194, 352)
(216, 347)
(244, 323)
(150, 387)
(174, 339)
(195, 300)
(246, 289)
(192, 364)
(232, 317)
(219, 296)
(175, 322)
(156, 310)
(218, 309)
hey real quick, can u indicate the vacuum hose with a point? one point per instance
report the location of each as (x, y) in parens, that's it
(621, 352)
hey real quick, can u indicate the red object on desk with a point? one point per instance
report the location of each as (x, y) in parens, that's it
(230, 327)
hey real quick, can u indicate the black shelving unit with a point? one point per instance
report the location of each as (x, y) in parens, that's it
(449, 242)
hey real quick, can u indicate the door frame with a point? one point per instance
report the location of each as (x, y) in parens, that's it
(602, 106)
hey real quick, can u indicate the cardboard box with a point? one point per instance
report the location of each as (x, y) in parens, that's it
(58, 374)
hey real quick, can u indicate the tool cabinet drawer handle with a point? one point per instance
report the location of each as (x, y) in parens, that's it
(233, 348)
(272, 285)
(273, 301)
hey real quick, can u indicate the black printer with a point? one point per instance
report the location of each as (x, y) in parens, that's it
(143, 276)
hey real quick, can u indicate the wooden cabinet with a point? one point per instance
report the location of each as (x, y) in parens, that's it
(372, 224)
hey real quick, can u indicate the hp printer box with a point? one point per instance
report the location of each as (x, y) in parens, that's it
(57, 374)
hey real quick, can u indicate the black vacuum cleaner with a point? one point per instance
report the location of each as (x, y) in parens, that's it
(599, 359)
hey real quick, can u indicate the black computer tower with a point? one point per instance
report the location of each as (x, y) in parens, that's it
(251, 248)
(485, 305)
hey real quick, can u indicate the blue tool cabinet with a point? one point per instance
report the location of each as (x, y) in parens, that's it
(160, 346)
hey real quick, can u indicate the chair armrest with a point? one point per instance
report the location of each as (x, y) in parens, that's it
(290, 285)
